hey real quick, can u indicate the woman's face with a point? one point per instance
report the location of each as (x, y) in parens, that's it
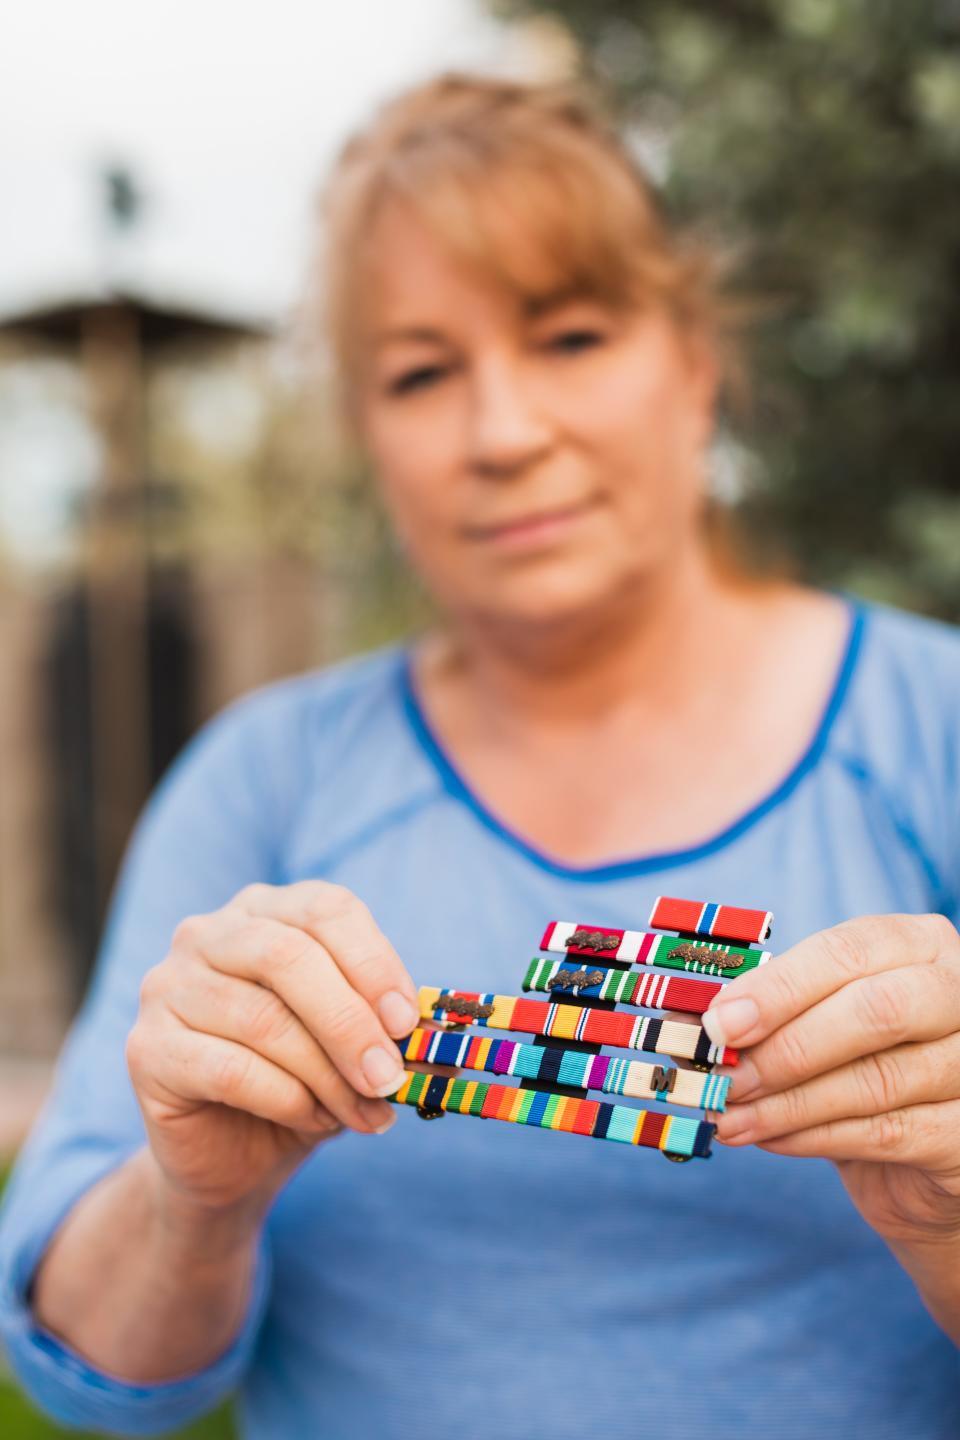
(536, 464)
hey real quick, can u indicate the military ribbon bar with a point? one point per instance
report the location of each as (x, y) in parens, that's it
(640, 947)
(626, 987)
(674, 1134)
(703, 917)
(634, 1078)
(573, 1022)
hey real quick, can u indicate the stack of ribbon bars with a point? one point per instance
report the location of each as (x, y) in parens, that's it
(594, 975)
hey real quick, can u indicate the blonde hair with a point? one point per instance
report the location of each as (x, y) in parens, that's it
(529, 182)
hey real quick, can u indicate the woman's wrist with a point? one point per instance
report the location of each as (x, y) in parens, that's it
(144, 1282)
(194, 1231)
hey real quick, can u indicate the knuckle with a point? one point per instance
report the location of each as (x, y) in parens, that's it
(331, 901)
(942, 933)
(188, 933)
(888, 1132)
(252, 894)
(792, 1110)
(789, 1054)
(229, 1072)
(294, 1106)
(344, 1022)
(788, 988)
(154, 984)
(285, 948)
(268, 1021)
(880, 1078)
(324, 1080)
(848, 948)
(135, 1051)
(947, 972)
(942, 1068)
(369, 964)
(883, 1006)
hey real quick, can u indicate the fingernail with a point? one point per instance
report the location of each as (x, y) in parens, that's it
(744, 1080)
(384, 1073)
(324, 1120)
(398, 1013)
(726, 1023)
(378, 1116)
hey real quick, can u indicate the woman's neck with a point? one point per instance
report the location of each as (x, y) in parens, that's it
(672, 629)
(699, 700)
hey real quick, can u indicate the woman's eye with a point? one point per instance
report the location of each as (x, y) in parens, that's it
(570, 341)
(415, 379)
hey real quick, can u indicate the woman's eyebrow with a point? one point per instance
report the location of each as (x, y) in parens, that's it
(537, 305)
(410, 332)
(534, 307)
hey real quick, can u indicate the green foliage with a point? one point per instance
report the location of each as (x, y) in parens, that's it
(19, 1419)
(820, 140)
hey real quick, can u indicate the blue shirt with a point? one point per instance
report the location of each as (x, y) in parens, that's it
(479, 1278)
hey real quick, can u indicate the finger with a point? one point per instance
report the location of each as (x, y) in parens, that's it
(919, 1135)
(256, 1017)
(298, 969)
(208, 1069)
(759, 1002)
(863, 1018)
(340, 922)
(872, 1085)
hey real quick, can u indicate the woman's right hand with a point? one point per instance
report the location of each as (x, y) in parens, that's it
(265, 1030)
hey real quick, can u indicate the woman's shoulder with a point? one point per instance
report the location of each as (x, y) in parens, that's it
(902, 641)
(276, 740)
(906, 684)
(897, 732)
(316, 701)
(339, 763)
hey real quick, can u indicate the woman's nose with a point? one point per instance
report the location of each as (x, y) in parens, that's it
(508, 430)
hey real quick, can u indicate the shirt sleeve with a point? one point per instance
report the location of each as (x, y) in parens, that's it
(905, 736)
(205, 833)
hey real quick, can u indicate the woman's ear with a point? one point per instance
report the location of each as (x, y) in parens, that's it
(704, 375)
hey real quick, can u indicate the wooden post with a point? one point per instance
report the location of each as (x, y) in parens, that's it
(115, 573)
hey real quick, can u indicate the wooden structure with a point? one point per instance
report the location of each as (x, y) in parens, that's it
(104, 679)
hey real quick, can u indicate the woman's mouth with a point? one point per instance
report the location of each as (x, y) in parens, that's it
(530, 531)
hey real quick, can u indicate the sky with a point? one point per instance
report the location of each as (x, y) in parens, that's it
(228, 111)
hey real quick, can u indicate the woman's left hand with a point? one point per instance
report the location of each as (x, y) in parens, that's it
(852, 1054)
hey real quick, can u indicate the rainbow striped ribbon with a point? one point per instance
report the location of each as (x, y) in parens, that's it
(640, 947)
(672, 1133)
(635, 1078)
(576, 1022)
(626, 987)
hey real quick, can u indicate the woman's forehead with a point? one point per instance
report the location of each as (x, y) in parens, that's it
(414, 266)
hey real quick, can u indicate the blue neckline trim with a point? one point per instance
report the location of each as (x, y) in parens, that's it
(457, 786)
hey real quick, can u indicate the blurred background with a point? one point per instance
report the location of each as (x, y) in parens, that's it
(178, 521)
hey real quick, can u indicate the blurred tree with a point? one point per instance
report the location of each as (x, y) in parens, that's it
(822, 140)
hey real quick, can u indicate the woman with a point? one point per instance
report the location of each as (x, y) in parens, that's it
(606, 713)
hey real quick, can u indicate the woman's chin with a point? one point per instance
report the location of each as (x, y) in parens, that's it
(551, 601)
